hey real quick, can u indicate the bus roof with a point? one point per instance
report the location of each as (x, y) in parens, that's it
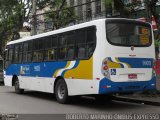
(61, 30)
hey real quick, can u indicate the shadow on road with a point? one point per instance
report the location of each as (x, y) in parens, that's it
(85, 102)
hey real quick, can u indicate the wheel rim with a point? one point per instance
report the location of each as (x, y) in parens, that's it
(61, 91)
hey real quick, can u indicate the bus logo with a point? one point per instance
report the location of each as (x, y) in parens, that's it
(25, 69)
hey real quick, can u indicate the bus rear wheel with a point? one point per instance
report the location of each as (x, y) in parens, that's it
(61, 91)
(18, 90)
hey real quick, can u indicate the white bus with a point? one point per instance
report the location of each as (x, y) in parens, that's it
(99, 58)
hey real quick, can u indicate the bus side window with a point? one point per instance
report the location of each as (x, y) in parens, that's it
(25, 48)
(62, 53)
(90, 49)
(81, 52)
(52, 54)
(62, 46)
(16, 53)
(70, 45)
(81, 43)
(6, 59)
(9, 58)
(10, 55)
(37, 56)
(70, 53)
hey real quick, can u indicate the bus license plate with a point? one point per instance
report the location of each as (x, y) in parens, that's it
(132, 76)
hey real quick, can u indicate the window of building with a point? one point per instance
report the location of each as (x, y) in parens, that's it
(48, 25)
(98, 7)
(80, 9)
(88, 9)
(72, 3)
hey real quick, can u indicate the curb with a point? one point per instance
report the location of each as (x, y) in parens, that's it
(133, 100)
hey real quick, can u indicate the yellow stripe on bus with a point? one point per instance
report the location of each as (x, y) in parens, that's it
(84, 70)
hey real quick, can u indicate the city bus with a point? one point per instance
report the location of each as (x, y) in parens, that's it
(99, 58)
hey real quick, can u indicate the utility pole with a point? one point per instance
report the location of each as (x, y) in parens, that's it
(33, 29)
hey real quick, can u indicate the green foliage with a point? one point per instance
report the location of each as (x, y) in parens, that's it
(124, 9)
(157, 43)
(108, 2)
(60, 14)
(13, 13)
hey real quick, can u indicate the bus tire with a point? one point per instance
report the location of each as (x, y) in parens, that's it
(61, 91)
(18, 90)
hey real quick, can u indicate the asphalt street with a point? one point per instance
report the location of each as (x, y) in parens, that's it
(42, 103)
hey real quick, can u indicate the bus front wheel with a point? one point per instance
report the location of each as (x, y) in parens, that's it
(61, 91)
(18, 90)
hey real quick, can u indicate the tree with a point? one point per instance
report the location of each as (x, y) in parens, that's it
(60, 14)
(124, 9)
(119, 6)
(150, 6)
(13, 13)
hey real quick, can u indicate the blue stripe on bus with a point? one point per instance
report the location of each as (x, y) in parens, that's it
(138, 62)
(40, 69)
(133, 62)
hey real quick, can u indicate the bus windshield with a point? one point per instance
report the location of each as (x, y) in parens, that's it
(128, 33)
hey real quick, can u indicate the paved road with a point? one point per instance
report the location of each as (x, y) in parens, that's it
(43, 103)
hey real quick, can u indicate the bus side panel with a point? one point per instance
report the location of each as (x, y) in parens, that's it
(82, 87)
(100, 52)
(41, 76)
(8, 80)
(42, 84)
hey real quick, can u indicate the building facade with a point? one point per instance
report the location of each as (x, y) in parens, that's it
(88, 9)
(85, 10)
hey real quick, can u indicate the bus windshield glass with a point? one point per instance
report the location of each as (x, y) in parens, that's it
(128, 33)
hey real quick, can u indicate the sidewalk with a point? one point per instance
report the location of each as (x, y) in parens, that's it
(151, 98)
